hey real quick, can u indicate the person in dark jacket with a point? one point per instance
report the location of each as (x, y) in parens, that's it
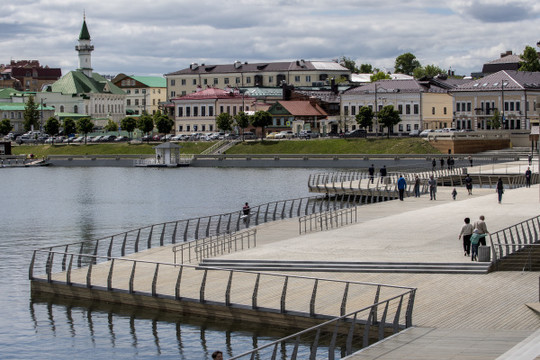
(500, 189)
(401, 185)
(528, 175)
(371, 171)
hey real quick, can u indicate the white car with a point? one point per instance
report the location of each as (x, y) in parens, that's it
(284, 135)
(426, 132)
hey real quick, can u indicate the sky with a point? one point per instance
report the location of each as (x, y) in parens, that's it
(162, 36)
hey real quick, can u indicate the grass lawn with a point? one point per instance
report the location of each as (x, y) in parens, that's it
(336, 146)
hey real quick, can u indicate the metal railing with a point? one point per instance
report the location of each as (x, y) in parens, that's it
(133, 241)
(182, 159)
(214, 246)
(327, 220)
(384, 309)
(523, 236)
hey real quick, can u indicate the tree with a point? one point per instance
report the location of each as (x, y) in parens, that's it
(429, 71)
(70, 127)
(111, 126)
(128, 124)
(406, 63)
(224, 121)
(31, 114)
(52, 126)
(349, 64)
(389, 117)
(530, 62)
(84, 126)
(381, 75)
(495, 120)
(5, 127)
(365, 69)
(145, 123)
(242, 121)
(163, 123)
(364, 118)
(261, 119)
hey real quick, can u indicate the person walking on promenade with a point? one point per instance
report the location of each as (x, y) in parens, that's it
(371, 171)
(448, 162)
(401, 185)
(454, 194)
(442, 163)
(417, 187)
(481, 226)
(476, 238)
(468, 183)
(432, 188)
(382, 172)
(528, 175)
(245, 213)
(433, 164)
(466, 232)
(500, 189)
(530, 159)
(470, 160)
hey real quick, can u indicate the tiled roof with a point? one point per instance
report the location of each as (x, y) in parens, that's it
(75, 82)
(515, 80)
(302, 108)
(38, 73)
(213, 93)
(239, 67)
(151, 81)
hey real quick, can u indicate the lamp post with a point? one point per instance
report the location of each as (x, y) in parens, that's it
(41, 114)
(503, 84)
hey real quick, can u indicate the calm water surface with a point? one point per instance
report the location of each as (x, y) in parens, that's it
(51, 206)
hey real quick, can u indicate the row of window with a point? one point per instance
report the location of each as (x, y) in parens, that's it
(143, 91)
(194, 128)
(142, 102)
(415, 109)
(247, 80)
(462, 106)
(12, 114)
(208, 110)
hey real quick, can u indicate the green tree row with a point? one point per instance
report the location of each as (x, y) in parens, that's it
(261, 119)
(388, 117)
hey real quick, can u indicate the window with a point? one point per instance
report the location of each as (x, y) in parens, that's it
(128, 91)
(511, 106)
(221, 109)
(136, 91)
(203, 127)
(180, 111)
(143, 91)
(210, 111)
(187, 128)
(183, 81)
(400, 108)
(308, 78)
(469, 107)
(188, 111)
(444, 110)
(248, 80)
(128, 102)
(458, 106)
(353, 110)
(270, 79)
(407, 109)
(173, 82)
(506, 107)
(408, 127)
(400, 127)
(238, 80)
(297, 78)
(136, 102)
(173, 94)
(216, 81)
(180, 127)
(62, 108)
(203, 110)
(345, 110)
(518, 106)
(205, 81)
(228, 109)
(194, 82)
(234, 110)
(433, 110)
(195, 111)
(416, 108)
(226, 81)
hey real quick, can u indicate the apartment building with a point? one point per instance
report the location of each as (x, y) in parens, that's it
(515, 95)
(238, 74)
(143, 93)
(27, 75)
(197, 112)
(421, 105)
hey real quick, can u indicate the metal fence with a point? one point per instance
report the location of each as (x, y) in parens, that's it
(174, 232)
(327, 220)
(214, 246)
(384, 309)
(523, 238)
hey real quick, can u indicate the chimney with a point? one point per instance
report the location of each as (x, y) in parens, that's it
(508, 52)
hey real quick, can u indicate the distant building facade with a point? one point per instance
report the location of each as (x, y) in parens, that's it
(238, 74)
(27, 75)
(143, 93)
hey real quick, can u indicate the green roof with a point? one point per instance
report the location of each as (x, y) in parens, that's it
(75, 82)
(84, 35)
(8, 93)
(20, 106)
(65, 115)
(151, 81)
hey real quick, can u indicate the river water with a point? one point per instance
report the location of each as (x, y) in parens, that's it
(52, 206)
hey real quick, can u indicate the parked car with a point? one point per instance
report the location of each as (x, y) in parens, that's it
(426, 132)
(272, 135)
(249, 135)
(414, 133)
(107, 138)
(97, 138)
(307, 134)
(285, 135)
(78, 139)
(358, 133)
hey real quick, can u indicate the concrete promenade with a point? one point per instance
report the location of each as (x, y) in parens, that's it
(457, 316)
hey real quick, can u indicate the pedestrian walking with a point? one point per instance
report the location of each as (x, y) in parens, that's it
(465, 233)
(449, 162)
(382, 172)
(476, 240)
(245, 213)
(454, 194)
(500, 189)
(417, 187)
(432, 188)
(528, 175)
(468, 183)
(470, 160)
(530, 159)
(481, 226)
(371, 172)
(442, 163)
(433, 164)
(401, 184)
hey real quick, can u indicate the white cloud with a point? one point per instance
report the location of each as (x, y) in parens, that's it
(137, 38)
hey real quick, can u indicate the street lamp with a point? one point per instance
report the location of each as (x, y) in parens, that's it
(41, 115)
(503, 84)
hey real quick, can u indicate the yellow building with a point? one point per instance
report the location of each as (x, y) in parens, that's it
(238, 74)
(143, 93)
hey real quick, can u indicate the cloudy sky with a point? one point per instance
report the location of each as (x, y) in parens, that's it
(161, 36)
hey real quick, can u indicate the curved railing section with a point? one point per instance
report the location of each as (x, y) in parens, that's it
(521, 238)
(327, 220)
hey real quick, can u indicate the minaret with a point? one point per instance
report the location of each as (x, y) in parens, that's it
(85, 50)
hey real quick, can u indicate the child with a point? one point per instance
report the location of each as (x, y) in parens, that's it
(454, 194)
(475, 240)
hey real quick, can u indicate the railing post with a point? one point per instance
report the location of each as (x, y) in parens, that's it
(154, 281)
(203, 286)
(162, 237)
(89, 275)
(313, 297)
(228, 291)
(123, 248)
(132, 277)
(284, 295)
(178, 283)
(109, 276)
(137, 241)
(173, 237)
(149, 241)
(255, 292)
(344, 299)
(408, 314)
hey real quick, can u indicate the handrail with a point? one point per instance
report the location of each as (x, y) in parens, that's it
(327, 220)
(215, 245)
(526, 262)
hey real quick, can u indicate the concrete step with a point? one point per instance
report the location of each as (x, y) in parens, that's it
(527, 349)
(337, 266)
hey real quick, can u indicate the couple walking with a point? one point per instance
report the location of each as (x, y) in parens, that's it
(473, 236)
